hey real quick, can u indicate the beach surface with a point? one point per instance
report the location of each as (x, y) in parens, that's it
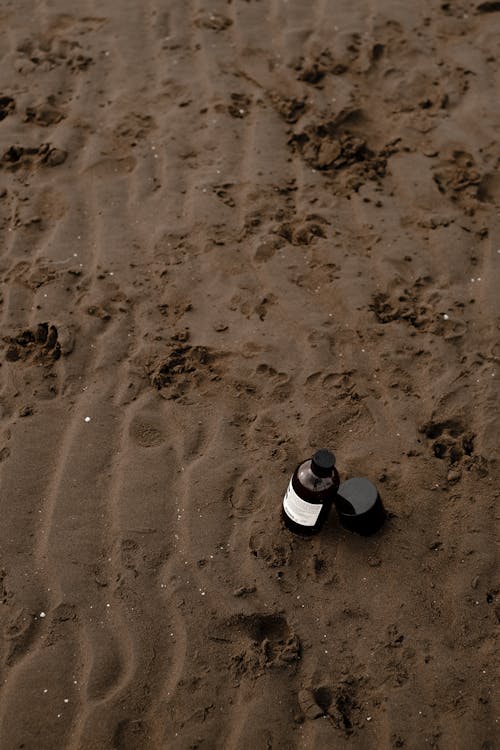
(232, 233)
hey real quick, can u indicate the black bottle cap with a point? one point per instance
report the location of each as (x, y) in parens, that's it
(359, 506)
(323, 462)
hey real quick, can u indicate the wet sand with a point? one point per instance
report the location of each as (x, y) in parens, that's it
(232, 233)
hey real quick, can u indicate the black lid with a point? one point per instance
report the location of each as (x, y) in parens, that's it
(323, 462)
(359, 506)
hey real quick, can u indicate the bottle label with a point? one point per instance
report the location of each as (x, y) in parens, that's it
(303, 513)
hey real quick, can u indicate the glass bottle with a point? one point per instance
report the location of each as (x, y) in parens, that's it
(311, 493)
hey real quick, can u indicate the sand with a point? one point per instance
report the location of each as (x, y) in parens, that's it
(231, 233)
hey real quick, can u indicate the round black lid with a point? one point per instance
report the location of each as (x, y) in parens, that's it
(323, 462)
(359, 506)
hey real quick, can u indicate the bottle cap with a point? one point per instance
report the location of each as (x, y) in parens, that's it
(323, 462)
(359, 506)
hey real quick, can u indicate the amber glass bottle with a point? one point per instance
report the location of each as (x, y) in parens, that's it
(311, 493)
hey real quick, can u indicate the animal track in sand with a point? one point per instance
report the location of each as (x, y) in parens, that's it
(44, 114)
(411, 306)
(264, 433)
(133, 127)
(263, 641)
(19, 157)
(449, 439)
(4, 453)
(7, 106)
(274, 553)
(406, 306)
(239, 106)
(339, 144)
(131, 556)
(418, 305)
(245, 304)
(313, 70)
(458, 177)
(278, 385)
(34, 211)
(49, 50)
(40, 344)
(182, 368)
(303, 231)
(291, 109)
(135, 558)
(223, 191)
(33, 355)
(340, 704)
(244, 497)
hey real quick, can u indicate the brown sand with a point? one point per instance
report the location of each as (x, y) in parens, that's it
(232, 232)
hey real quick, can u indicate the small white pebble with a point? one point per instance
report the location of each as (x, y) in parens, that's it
(42, 614)
(87, 419)
(45, 690)
(66, 700)
(368, 718)
(446, 317)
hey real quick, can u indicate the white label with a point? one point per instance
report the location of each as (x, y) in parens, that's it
(305, 514)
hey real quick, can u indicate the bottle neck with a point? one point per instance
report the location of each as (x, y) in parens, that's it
(314, 483)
